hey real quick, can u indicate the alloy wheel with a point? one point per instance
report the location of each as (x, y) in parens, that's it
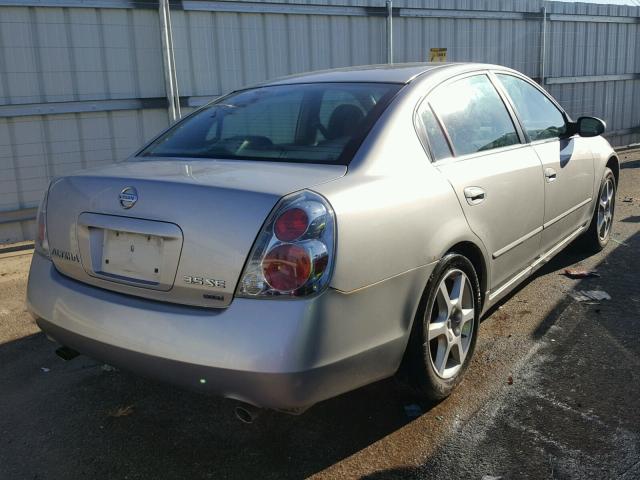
(451, 324)
(605, 209)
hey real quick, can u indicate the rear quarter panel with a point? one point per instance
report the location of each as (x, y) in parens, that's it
(389, 226)
(395, 212)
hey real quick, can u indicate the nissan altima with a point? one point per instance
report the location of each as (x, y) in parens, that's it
(301, 238)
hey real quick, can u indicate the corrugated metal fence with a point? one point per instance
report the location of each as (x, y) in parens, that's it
(82, 82)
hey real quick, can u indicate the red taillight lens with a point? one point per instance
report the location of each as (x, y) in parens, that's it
(291, 224)
(41, 230)
(286, 267)
(41, 244)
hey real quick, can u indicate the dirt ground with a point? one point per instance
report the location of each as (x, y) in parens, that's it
(552, 393)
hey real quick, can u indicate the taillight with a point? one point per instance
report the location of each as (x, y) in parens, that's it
(291, 225)
(42, 243)
(293, 253)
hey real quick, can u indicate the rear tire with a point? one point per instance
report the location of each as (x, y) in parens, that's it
(445, 329)
(597, 235)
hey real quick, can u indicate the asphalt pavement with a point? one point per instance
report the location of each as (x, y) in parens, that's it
(552, 393)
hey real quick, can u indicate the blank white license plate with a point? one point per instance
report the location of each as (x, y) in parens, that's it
(132, 255)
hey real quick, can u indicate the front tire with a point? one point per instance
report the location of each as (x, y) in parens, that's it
(597, 235)
(445, 328)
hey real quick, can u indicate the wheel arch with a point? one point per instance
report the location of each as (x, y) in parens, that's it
(614, 165)
(474, 253)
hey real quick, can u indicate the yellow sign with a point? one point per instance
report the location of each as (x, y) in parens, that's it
(438, 55)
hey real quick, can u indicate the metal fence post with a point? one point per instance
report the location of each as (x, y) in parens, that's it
(389, 31)
(543, 46)
(169, 62)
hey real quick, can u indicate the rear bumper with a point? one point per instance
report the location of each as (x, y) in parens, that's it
(276, 354)
(282, 391)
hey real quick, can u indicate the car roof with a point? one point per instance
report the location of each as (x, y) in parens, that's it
(401, 73)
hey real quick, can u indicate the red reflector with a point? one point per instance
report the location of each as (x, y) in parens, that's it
(286, 267)
(41, 232)
(42, 229)
(291, 224)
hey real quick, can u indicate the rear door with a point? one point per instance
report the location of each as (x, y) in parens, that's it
(567, 163)
(497, 178)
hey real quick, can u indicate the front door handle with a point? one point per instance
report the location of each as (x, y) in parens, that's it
(550, 175)
(474, 195)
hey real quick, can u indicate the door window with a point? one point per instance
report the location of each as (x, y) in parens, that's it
(437, 141)
(474, 115)
(539, 116)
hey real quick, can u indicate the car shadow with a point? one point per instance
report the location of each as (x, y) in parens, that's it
(630, 164)
(79, 419)
(579, 365)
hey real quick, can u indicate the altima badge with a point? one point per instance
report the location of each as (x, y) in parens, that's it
(128, 197)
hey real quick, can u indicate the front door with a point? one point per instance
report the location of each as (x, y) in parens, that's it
(567, 164)
(568, 171)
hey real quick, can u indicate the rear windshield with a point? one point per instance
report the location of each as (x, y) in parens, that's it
(309, 123)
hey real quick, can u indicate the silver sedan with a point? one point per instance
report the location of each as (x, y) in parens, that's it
(292, 241)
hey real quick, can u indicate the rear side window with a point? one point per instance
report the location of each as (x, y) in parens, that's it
(474, 115)
(539, 116)
(308, 123)
(437, 141)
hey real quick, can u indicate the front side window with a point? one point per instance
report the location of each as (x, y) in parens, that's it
(539, 116)
(318, 123)
(474, 115)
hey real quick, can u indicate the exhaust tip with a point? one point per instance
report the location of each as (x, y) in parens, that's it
(245, 414)
(66, 353)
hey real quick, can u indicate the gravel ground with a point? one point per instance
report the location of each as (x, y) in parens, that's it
(552, 393)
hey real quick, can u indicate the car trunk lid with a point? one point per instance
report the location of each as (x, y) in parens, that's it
(169, 230)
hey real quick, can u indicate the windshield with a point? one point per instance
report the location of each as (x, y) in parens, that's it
(316, 123)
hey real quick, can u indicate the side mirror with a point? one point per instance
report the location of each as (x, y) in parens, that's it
(590, 126)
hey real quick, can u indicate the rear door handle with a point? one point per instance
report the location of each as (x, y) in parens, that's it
(550, 174)
(474, 195)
